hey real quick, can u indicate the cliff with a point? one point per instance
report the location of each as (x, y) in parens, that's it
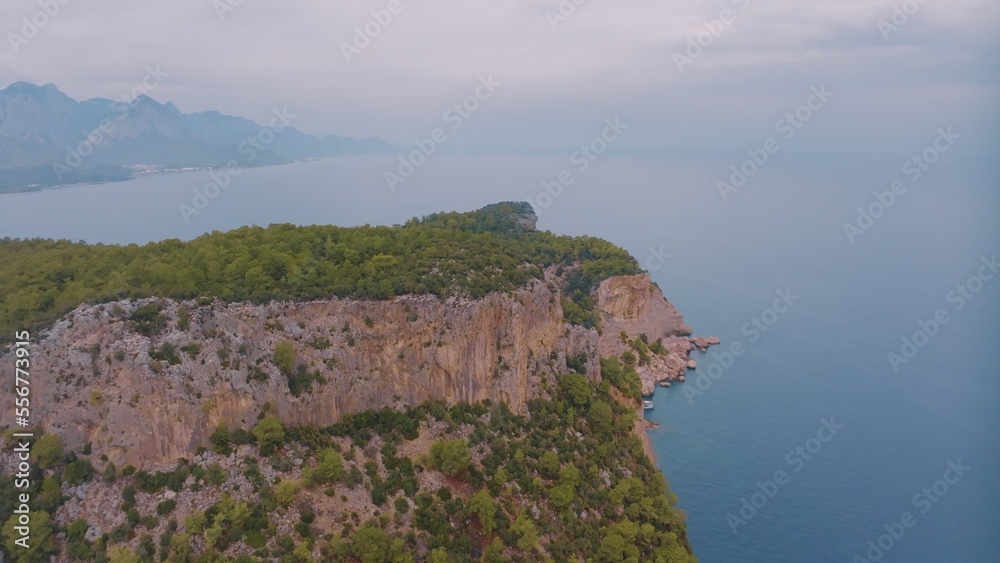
(634, 306)
(321, 393)
(96, 380)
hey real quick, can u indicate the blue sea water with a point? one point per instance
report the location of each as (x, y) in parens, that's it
(823, 359)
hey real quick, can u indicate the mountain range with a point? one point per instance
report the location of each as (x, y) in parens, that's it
(48, 139)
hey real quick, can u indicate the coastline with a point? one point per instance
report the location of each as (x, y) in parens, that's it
(140, 174)
(641, 430)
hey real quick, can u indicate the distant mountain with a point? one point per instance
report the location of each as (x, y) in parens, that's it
(49, 139)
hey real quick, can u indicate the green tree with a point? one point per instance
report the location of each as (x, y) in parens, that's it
(180, 550)
(183, 319)
(370, 545)
(397, 552)
(451, 457)
(438, 555)
(286, 491)
(613, 549)
(269, 431)
(48, 450)
(51, 493)
(570, 476)
(284, 357)
(561, 496)
(41, 542)
(482, 506)
(110, 473)
(122, 555)
(215, 474)
(525, 530)
(548, 465)
(577, 388)
(494, 552)
(330, 466)
(220, 439)
(78, 471)
(601, 418)
(194, 522)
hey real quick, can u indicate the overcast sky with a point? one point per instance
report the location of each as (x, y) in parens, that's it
(559, 79)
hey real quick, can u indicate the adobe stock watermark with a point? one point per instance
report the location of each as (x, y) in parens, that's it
(366, 33)
(752, 504)
(101, 135)
(914, 168)
(958, 298)
(713, 29)
(221, 178)
(752, 329)
(900, 16)
(923, 502)
(580, 161)
(32, 25)
(787, 127)
(455, 116)
(563, 12)
(225, 7)
(657, 259)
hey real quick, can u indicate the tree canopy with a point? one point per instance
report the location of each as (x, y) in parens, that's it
(445, 254)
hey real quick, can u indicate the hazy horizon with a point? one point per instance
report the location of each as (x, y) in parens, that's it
(559, 77)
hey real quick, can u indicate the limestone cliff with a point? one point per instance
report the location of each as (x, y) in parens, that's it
(635, 306)
(95, 378)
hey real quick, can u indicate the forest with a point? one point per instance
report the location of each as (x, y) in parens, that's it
(567, 482)
(445, 254)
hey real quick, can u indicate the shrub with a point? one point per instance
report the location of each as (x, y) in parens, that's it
(165, 353)
(330, 466)
(78, 471)
(320, 343)
(257, 375)
(183, 319)
(166, 507)
(452, 457)
(148, 320)
(194, 522)
(255, 539)
(577, 388)
(215, 474)
(48, 450)
(269, 431)
(192, 349)
(284, 357)
(286, 491)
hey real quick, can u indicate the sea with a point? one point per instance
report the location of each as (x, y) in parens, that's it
(850, 413)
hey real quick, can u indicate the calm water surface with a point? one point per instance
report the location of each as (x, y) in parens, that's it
(825, 358)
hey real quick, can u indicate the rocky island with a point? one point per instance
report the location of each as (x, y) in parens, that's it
(460, 388)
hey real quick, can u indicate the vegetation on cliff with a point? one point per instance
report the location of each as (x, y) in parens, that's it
(446, 254)
(432, 483)
(557, 475)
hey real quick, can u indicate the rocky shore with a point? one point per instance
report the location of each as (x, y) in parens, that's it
(633, 306)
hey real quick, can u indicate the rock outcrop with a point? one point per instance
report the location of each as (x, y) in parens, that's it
(636, 306)
(97, 380)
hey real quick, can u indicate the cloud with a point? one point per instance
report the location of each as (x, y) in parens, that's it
(606, 59)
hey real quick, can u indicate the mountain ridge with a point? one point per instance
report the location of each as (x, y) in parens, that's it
(49, 139)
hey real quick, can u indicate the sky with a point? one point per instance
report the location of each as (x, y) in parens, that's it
(559, 68)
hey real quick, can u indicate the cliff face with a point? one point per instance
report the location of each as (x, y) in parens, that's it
(633, 305)
(94, 379)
